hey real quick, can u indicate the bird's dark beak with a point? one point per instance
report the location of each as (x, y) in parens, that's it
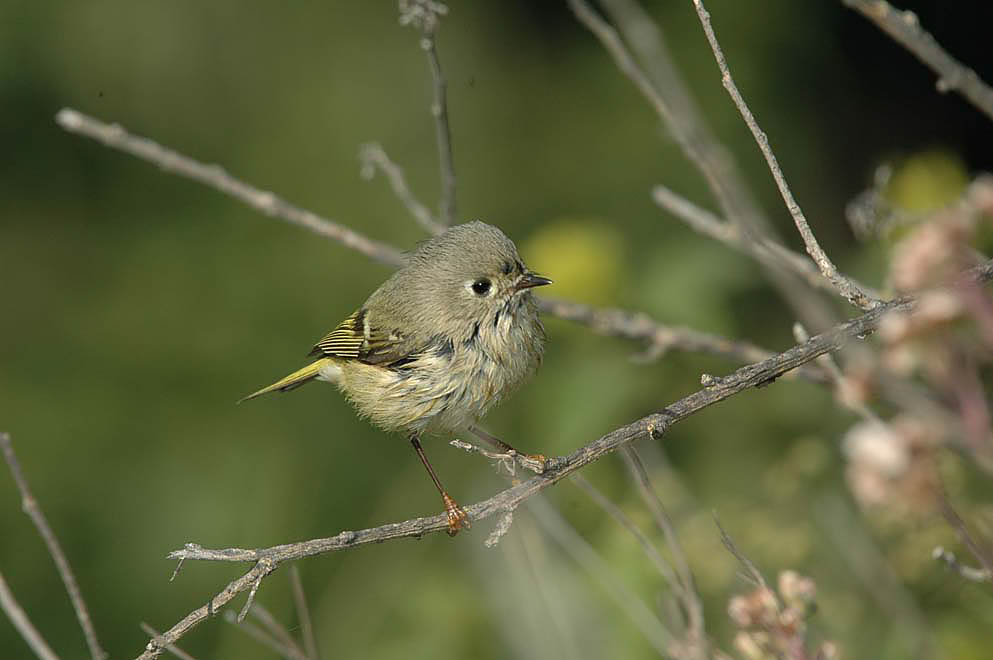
(529, 280)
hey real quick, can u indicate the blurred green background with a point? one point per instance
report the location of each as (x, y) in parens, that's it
(138, 307)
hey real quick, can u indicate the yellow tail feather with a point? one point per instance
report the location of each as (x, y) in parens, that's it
(295, 379)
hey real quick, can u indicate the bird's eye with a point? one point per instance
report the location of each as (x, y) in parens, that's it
(481, 287)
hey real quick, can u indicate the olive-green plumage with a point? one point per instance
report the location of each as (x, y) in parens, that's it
(445, 338)
(442, 340)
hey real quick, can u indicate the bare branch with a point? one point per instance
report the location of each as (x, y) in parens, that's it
(426, 14)
(653, 425)
(23, 624)
(30, 506)
(214, 176)
(303, 614)
(764, 250)
(583, 553)
(373, 156)
(851, 291)
(906, 30)
(697, 635)
(175, 650)
(980, 553)
(265, 638)
(751, 571)
(615, 512)
(968, 572)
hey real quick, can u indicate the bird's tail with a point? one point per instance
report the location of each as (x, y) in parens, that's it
(295, 379)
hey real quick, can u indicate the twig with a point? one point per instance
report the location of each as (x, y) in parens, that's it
(373, 156)
(615, 512)
(303, 614)
(214, 176)
(764, 250)
(968, 572)
(697, 635)
(978, 552)
(23, 624)
(279, 632)
(175, 650)
(851, 291)
(30, 506)
(653, 425)
(609, 321)
(265, 638)
(751, 571)
(583, 553)
(426, 15)
(906, 30)
(638, 326)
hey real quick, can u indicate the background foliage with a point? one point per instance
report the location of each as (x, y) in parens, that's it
(139, 307)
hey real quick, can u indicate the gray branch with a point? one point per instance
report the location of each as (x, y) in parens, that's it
(905, 29)
(846, 287)
(30, 506)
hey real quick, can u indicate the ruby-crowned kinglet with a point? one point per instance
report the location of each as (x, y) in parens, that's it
(441, 341)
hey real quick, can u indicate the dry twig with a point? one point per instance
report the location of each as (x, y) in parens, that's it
(906, 30)
(175, 650)
(426, 15)
(373, 156)
(303, 615)
(30, 506)
(23, 624)
(846, 287)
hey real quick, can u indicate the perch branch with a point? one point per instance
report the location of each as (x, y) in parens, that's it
(904, 28)
(23, 624)
(654, 425)
(175, 650)
(846, 287)
(30, 506)
(607, 322)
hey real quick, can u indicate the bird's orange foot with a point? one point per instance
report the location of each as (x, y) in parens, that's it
(457, 517)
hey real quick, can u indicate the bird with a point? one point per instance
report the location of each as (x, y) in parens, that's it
(450, 334)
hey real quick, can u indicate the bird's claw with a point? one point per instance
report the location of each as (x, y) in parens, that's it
(457, 517)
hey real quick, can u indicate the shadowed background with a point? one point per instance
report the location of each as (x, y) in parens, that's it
(138, 307)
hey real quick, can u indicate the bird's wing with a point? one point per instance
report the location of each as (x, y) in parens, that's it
(358, 338)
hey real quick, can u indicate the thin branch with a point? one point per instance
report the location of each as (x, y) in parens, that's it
(214, 176)
(603, 321)
(905, 29)
(265, 638)
(638, 326)
(654, 425)
(764, 250)
(426, 14)
(303, 614)
(279, 632)
(697, 635)
(23, 624)
(751, 571)
(968, 572)
(848, 289)
(175, 650)
(980, 553)
(583, 553)
(373, 156)
(30, 506)
(615, 512)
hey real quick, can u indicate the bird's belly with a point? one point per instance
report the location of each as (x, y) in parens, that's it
(434, 394)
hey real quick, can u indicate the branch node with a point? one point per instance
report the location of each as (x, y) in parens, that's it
(267, 566)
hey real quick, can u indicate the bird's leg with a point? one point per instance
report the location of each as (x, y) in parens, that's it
(457, 517)
(534, 462)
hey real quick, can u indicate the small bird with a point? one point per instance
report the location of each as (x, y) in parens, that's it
(446, 337)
